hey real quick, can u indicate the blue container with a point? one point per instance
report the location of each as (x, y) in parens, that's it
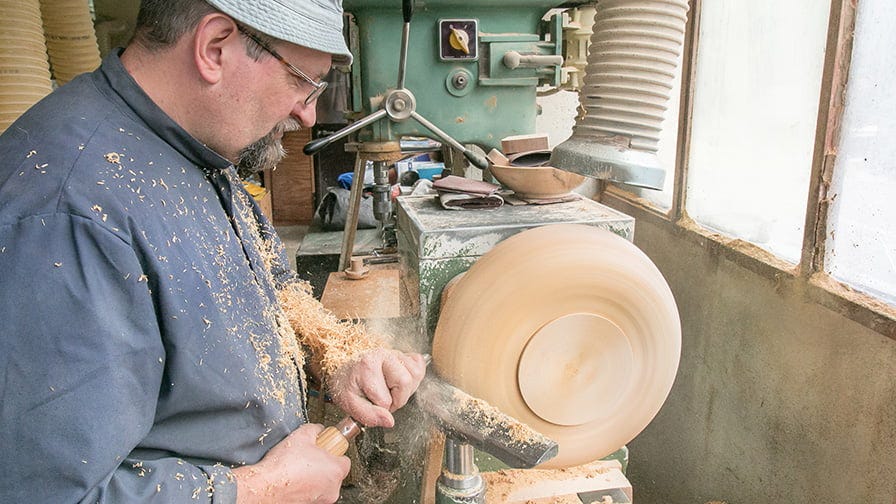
(428, 170)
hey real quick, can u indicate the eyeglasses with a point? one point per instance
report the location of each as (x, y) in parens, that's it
(317, 87)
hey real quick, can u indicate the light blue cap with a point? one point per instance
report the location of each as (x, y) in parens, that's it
(309, 23)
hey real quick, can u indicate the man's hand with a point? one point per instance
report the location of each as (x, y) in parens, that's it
(295, 470)
(371, 387)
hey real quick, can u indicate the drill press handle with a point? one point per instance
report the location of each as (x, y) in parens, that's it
(407, 11)
(315, 146)
(474, 157)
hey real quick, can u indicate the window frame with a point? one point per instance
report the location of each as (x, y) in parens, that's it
(807, 279)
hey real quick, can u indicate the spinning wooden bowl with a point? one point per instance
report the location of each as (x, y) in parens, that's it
(568, 328)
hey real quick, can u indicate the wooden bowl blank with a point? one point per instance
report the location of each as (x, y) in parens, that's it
(568, 328)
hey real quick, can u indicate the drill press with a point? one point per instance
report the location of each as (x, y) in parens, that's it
(482, 87)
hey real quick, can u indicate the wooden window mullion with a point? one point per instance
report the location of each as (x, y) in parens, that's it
(838, 55)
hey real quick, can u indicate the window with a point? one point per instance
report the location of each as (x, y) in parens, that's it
(861, 247)
(812, 187)
(758, 75)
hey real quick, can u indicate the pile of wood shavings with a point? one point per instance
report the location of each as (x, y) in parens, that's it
(332, 342)
(283, 371)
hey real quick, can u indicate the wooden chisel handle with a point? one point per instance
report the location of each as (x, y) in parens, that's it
(335, 439)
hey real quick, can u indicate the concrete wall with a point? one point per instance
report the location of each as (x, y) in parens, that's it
(776, 400)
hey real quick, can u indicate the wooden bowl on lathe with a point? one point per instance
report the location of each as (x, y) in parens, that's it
(568, 328)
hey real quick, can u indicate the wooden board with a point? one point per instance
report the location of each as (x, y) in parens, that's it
(375, 296)
(535, 486)
(432, 465)
(292, 183)
(524, 143)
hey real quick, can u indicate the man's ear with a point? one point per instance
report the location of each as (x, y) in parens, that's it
(214, 38)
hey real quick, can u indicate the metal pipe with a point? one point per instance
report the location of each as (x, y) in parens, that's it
(460, 480)
(459, 458)
(382, 193)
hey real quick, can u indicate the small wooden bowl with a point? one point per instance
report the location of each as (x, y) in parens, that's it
(536, 182)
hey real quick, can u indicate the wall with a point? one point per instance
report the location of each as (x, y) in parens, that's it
(557, 114)
(776, 400)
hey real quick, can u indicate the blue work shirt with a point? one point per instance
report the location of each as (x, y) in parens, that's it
(140, 334)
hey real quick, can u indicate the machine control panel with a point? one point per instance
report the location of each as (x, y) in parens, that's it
(458, 39)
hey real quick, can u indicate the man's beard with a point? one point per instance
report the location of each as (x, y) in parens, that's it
(267, 151)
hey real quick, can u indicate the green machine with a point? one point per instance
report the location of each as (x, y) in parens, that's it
(473, 66)
(464, 73)
(436, 246)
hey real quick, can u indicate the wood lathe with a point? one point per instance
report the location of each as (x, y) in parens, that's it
(578, 338)
(566, 328)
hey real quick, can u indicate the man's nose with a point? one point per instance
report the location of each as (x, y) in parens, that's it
(306, 114)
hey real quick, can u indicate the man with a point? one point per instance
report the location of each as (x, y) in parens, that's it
(146, 350)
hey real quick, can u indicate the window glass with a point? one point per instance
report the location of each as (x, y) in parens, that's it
(862, 220)
(758, 77)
